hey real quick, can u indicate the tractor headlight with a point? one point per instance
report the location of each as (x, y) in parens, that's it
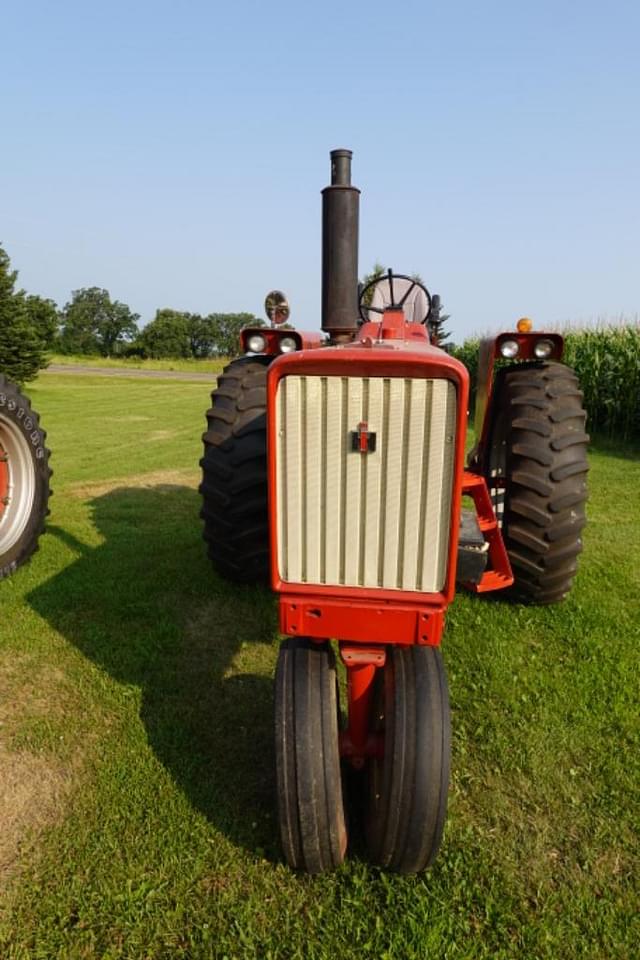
(543, 349)
(509, 349)
(256, 343)
(287, 345)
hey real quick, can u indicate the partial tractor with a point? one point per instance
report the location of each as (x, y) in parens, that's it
(334, 467)
(24, 478)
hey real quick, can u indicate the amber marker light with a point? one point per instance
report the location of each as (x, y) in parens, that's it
(524, 325)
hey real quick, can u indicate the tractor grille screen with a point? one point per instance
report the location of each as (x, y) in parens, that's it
(364, 478)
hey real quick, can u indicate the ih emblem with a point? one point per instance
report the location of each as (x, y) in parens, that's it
(362, 440)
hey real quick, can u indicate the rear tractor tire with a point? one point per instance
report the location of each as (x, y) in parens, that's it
(234, 473)
(537, 469)
(308, 774)
(24, 478)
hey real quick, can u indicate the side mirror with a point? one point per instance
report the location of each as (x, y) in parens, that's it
(276, 307)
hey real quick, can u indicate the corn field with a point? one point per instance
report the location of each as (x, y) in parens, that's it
(607, 361)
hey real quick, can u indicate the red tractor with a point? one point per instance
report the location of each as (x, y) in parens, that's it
(336, 469)
(24, 478)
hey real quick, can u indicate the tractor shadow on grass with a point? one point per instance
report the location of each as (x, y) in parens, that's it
(146, 607)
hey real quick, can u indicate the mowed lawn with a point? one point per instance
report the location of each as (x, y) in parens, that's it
(137, 809)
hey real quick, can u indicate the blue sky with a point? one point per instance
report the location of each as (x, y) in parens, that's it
(174, 153)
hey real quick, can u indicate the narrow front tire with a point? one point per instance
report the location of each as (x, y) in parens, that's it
(309, 785)
(408, 783)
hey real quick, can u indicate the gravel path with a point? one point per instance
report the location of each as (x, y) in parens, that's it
(81, 370)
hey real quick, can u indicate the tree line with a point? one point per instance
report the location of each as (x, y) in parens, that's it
(91, 323)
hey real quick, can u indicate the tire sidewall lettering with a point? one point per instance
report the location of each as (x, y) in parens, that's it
(23, 418)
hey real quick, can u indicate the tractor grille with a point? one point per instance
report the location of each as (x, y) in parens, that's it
(379, 518)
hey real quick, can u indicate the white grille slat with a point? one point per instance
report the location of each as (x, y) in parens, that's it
(413, 474)
(353, 499)
(312, 407)
(441, 426)
(392, 466)
(293, 464)
(373, 466)
(375, 519)
(334, 457)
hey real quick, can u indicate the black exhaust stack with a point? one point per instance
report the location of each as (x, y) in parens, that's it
(340, 210)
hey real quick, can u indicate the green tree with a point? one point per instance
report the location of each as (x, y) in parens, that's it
(377, 271)
(201, 336)
(437, 321)
(93, 323)
(176, 333)
(22, 351)
(44, 318)
(167, 335)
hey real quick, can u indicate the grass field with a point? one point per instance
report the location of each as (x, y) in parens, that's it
(136, 768)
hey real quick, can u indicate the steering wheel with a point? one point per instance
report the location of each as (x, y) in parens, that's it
(394, 290)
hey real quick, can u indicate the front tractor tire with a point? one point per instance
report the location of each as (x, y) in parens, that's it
(310, 801)
(409, 781)
(536, 473)
(24, 478)
(234, 473)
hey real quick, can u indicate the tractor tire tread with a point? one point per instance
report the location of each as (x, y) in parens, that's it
(27, 543)
(234, 473)
(538, 427)
(541, 422)
(407, 807)
(309, 784)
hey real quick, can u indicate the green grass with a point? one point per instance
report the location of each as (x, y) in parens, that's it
(185, 365)
(136, 709)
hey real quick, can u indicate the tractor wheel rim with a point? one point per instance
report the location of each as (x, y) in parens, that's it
(17, 484)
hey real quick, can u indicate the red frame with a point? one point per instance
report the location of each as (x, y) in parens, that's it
(357, 742)
(499, 574)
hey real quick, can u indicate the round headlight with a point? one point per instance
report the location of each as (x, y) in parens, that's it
(543, 349)
(256, 343)
(509, 349)
(287, 345)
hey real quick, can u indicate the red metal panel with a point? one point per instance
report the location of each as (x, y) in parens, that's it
(370, 621)
(389, 327)
(311, 341)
